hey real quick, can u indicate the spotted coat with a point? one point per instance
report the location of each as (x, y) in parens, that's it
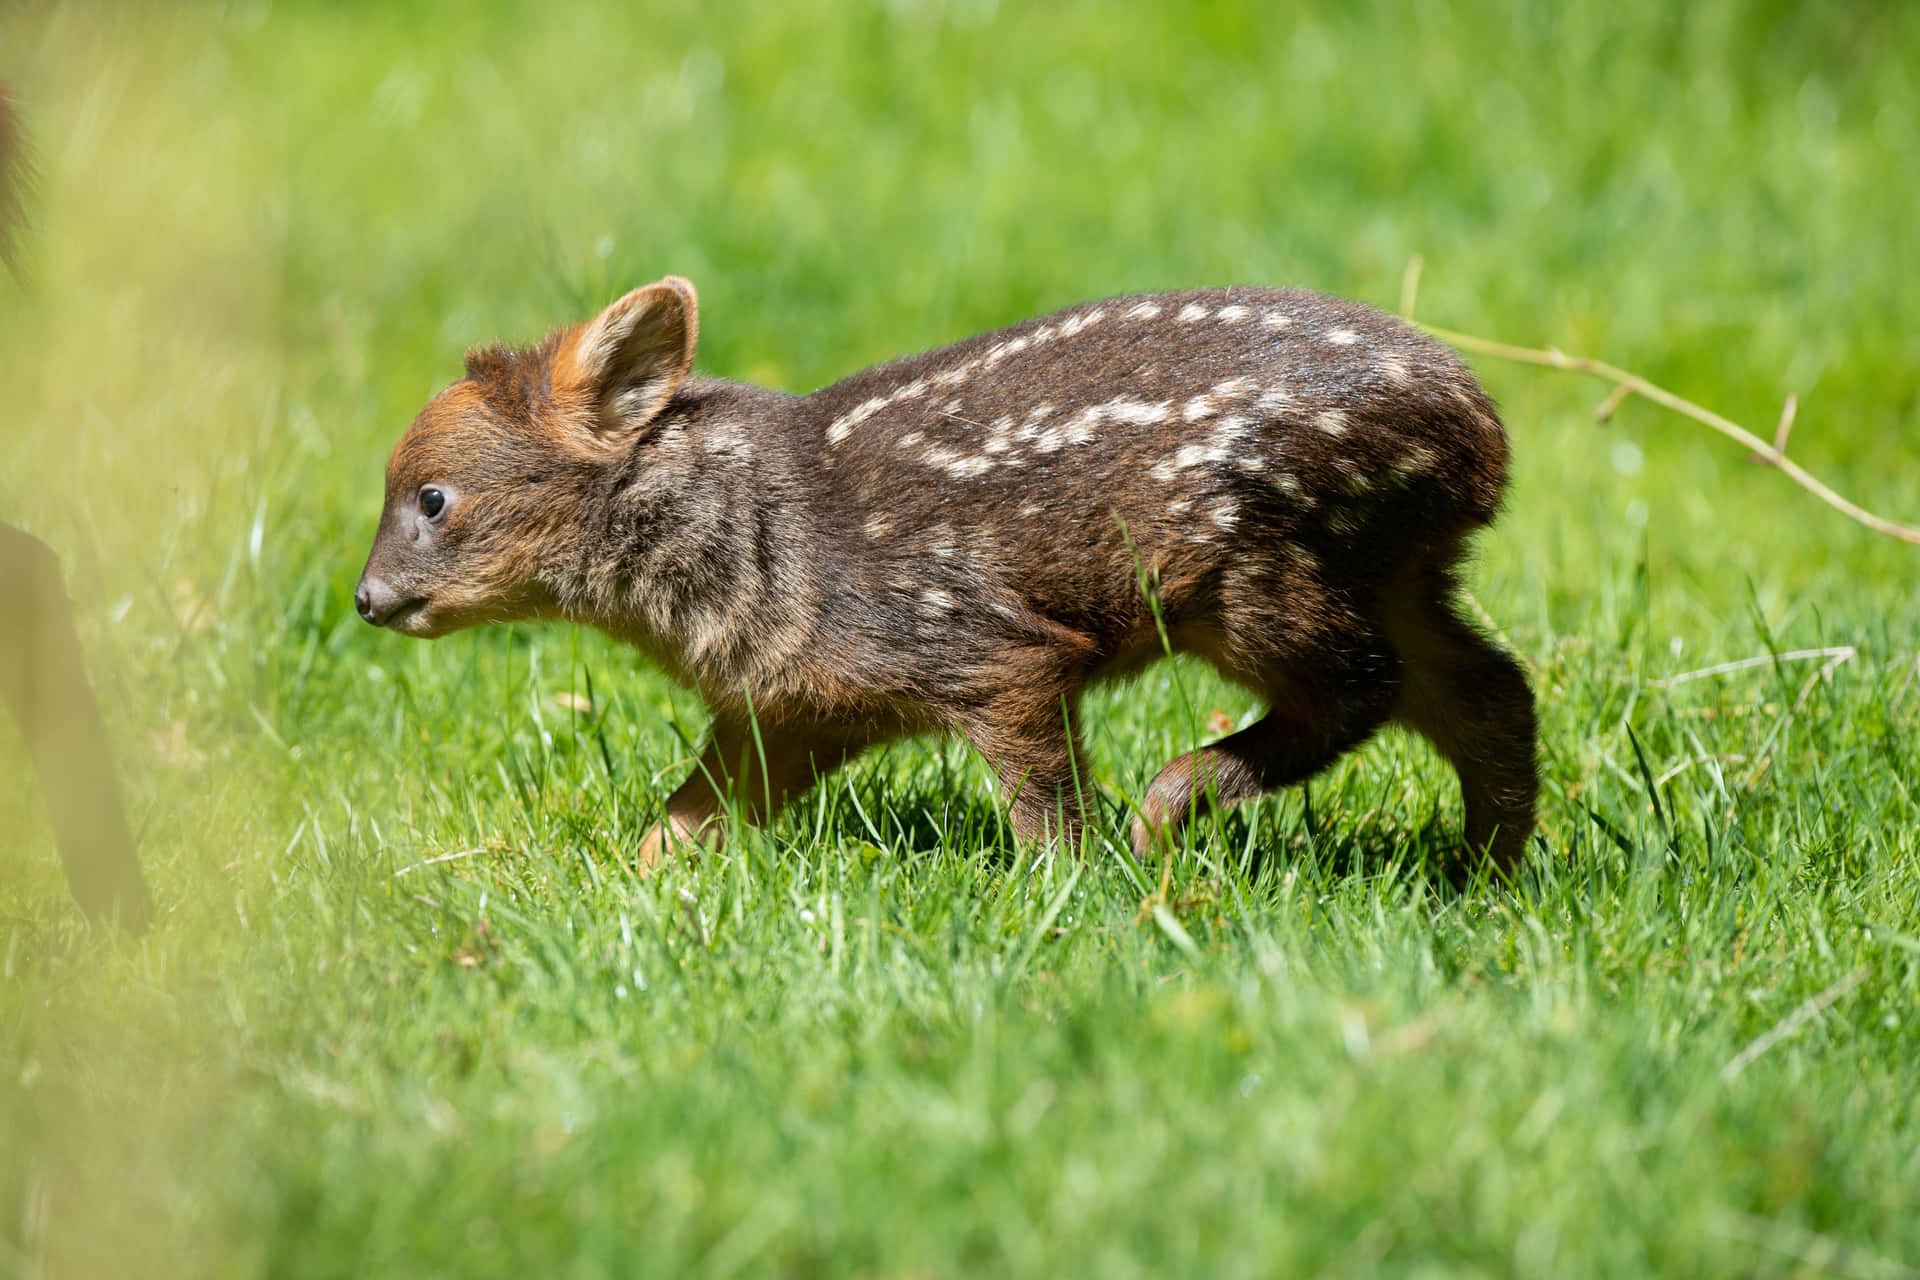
(962, 540)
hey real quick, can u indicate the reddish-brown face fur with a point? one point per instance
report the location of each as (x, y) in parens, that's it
(513, 452)
(503, 483)
(965, 539)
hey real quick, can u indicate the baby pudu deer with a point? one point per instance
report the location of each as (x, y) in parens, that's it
(961, 541)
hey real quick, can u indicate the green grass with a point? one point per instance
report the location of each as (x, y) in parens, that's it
(407, 1011)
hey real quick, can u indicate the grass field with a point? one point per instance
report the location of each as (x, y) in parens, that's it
(406, 1010)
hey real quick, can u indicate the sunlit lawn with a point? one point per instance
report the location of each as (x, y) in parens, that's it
(407, 1010)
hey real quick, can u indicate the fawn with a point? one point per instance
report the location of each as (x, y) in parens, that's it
(962, 540)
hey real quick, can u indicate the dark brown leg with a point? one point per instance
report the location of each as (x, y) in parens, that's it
(763, 775)
(1307, 729)
(1470, 699)
(45, 683)
(1031, 741)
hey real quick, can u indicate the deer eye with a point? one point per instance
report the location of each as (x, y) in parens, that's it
(432, 502)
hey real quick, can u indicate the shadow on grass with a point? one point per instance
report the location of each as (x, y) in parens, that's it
(1257, 844)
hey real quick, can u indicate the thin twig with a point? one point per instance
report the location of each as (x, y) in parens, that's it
(1772, 455)
(1833, 657)
(445, 857)
(1780, 1030)
(1787, 411)
(1613, 401)
(1730, 758)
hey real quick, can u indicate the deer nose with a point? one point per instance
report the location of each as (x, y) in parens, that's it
(375, 600)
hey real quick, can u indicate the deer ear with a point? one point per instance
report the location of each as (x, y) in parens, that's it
(626, 362)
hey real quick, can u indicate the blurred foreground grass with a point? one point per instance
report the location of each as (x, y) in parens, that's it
(406, 1011)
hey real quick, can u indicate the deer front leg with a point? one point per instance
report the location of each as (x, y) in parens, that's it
(1033, 745)
(761, 776)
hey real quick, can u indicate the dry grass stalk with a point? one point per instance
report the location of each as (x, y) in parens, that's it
(1632, 384)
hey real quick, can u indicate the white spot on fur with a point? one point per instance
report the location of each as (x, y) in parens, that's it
(1276, 320)
(1001, 350)
(1075, 324)
(1029, 509)
(1165, 469)
(726, 438)
(1228, 430)
(1331, 421)
(878, 525)
(1137, 412)
(1394, 370)
(1050, 440)
(1191, 312)
(938, 599)
(1341, 337)
(1233, 312)
(1192, 455)
(1273, 402)
(1143, 311)
(853, 417)
(843, 425)
(1417, 460)
(955, 463)
(1226, 515)
(1180, 507)
(1029, 431)
(1078, 429)
(1230, 387)
(1197, 408)
(911, 439)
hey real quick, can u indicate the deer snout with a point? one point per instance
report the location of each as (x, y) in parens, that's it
(375, 600)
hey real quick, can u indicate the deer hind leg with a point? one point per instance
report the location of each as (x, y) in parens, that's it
(1328, 704)
(1470, 699)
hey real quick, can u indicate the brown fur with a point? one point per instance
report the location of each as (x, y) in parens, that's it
(964, 540)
